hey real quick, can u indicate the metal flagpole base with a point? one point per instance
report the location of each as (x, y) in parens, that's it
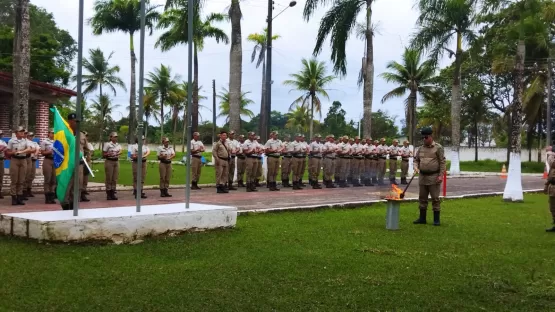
(392, 215)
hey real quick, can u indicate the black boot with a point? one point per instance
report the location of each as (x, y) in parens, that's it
(436, 218)
(356, 183)
(14, 200)
(29, 193)
(285, 183)
(551, 230)
(135, 193)
(274, 187)
(20, 200)
(220, 189)
(167, 194)
(195, 186)
(66, 207)
(316, 185)
(84, 198)
(113, 194)
(52, 198)
(301, 184)
(47, 198)
(422, 218)
(143, 195)
(330, 184)
(250, 187)
(256, 184)
(240, 183)
(1, 196)
(403, 181)
(162, 192)
(109, 195)
(231, 187)
(296, 185)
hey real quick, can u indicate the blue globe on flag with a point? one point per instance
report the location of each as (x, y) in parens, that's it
(58, 154)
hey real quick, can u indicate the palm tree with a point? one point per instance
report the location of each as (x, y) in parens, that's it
(103, 109)
(176, 19)
(297, 119)
(21, 64)
(311, 80)
(150, 108)
(165, 88)
(412, 76)
(438, 22)
(225, 105)
(235, 66)
(100, 73)
(124, 15)
(338, 23)
(261, 41)
(435, 113)
(182, 105)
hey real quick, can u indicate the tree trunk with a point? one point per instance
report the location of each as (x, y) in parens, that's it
(133, 92)
(161, 117)
(456, 101)
(509, 136)
(412, 115)
(235, 67)
(175, 114)
(262, 116)
(194, 114)
(21, 65)
(368, 89)
(513, 188)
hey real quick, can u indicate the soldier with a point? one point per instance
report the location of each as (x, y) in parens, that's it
(88, 158)
(67, 204)
(3, 147)
(165, 156)
(406, 153)
(134, 159)
(343, 151)
(382, 155)
(18, 148)
(259, 160)
(549, 188)
(298, 159)
(429, 161)
(394, 151)
(316, 149)
(241, 162)
(250, 150)
(111, 152)
(337, 166)
(31, 170)
(367, 162)
(48, 169)
(304, 152)
(274, 147)
(220, 155)
(286, 162)
(197, 147)
(357, 162)
(233, 149)
(328, 160)
(375, 161)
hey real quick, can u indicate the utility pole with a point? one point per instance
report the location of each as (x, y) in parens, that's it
(213, 110)
(549, 101)
(266, 121)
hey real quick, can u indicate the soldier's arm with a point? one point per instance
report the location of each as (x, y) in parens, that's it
(442, 162)
(416, 162)
(215, 153)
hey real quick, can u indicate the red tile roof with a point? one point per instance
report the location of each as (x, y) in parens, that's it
(41, 85)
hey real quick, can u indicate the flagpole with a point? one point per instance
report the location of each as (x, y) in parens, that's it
(76, 177)
(189, 130)
(141, 108)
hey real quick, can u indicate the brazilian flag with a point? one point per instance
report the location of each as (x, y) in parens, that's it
(64, 154)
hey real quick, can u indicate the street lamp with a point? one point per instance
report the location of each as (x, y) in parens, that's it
(266, 121)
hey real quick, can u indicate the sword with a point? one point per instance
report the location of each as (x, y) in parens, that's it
(82, 158)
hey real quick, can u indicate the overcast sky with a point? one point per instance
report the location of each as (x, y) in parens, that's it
(395, 26)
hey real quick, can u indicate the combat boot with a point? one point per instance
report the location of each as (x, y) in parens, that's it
(29, 192)
(113, 194)
(240, 183)
(250, 187)
(301, 184)
(285, 183)
(84, 198)
(66, 207)
(330, 184)
(14, 200)
(256, 183)
(273, 186)
(220, 189)
(296, 185)
(162, 192)
(167, 194)
(356, 183)
(436, 218)
(108, 195)
(422, 218)
(231, 187)
(47, 198)
(404, 181)
(20, 200)
(316, 186)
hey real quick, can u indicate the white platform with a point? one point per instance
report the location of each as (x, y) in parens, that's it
(120, 225)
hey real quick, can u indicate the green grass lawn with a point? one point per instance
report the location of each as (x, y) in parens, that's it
(487, 255)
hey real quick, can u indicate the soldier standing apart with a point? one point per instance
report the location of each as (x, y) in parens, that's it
(273, 148)
(328, 151)
(286, 162)
(405, 155)
(429, 161)
(88, 158)
(197, 147)
(165, 156)
(18, 148)
(549, 188)
(315, 160)
(3, 147)
(394, 152)
(220, 155)
(31, 171)
(233, 149)
(134, 159)
(249, 148)
(241, 161)
(111, 152)
(48, 169)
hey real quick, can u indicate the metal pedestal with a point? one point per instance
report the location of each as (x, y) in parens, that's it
(392, 215)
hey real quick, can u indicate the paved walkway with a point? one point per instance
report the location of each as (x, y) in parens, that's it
(286, 198)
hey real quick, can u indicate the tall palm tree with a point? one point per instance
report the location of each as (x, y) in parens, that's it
(100, 73)
(311, 80)
(103, 109)
(297, 119)
(438, 24)
(412, 76)
(235, 66)
(150, 107)
(176, 20)
(338, 23)
(165, 88)
(261, 41)
(124, 16)
(225, 105)
(21, 64)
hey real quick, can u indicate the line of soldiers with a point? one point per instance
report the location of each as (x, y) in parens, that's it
(345, 161)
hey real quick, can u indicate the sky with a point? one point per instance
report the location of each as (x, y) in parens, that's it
(395, 25)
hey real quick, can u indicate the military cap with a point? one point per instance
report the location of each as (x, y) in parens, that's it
(241, 136)
(165, 139)
(345, 137)
(382, 140)
(31, 134)
(71, 116)
(426, 131)
(258, 137)
(405, 142)
(351, 139)
(331, 136)
(196, 133)
(85, 132)
(299, 135)
(231, 132)
(114, 134)
(395, 141)
(376, 142)
(318, 135)
(302, 135)
(19, 129)
(51, 130)
(251, 133)
(223, 131)
(357, 138)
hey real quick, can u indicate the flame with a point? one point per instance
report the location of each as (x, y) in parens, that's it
(394, 193)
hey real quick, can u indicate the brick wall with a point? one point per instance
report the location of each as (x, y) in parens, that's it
(42, 117)
(5, 116)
